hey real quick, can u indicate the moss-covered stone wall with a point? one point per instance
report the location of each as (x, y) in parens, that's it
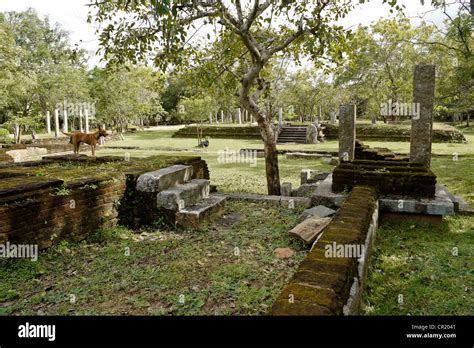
(326, 283)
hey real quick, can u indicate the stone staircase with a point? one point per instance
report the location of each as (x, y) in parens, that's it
(292, 134)
(187, 203)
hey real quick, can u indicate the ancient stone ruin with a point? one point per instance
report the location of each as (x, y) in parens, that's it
(367, 184)
(68, 197)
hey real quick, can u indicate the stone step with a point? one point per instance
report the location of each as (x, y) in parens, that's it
(164, 178)
(185, 195)
(292, 140)
(204, 210)
(292, 137)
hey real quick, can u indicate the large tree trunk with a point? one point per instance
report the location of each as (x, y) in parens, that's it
(271, 158)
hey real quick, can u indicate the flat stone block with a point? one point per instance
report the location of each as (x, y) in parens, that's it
(183, 196)
(204, 210)
(309, 229)
(288, 202)
(302, 155)
(164, 178)
(324, 195)
(441, 204)
(305, 190)
(318, 211)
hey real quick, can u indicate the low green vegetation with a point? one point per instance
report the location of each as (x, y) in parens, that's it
(226, 268)
(420, 269)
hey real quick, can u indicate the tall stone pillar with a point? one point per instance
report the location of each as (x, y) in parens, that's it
(422, 124)
(86, 118)
(239, 116)
(222, 116)
(81, 126)
(56, 123)
(65, 125)
(48, 122)
(280, 116)
(210, 118)
(347, 132)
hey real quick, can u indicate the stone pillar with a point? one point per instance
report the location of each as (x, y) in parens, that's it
(239, 116)
(86, 118)
(210, 117)
(65, 125)
(81, 126)
(286, 189)
(422, 124)
(48, 122)
(222, 116)
(280, 116)
(347, 132)
(56, 123)
(332, 116)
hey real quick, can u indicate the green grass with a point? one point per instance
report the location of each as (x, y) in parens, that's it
(189, 273)
(418, 262)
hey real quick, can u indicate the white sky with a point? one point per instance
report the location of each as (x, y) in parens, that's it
(72, 15)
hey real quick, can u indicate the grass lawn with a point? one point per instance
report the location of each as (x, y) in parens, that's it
(418, 269)
(226, 268)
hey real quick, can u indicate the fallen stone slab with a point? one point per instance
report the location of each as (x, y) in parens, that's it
(324, 195)
(310, 229)
(305, 190)
(309, 176)
(164, 178)
(301, 155)
(288, 202)
(184, 195)
(318, 211)
(462, 207)
(204, 210)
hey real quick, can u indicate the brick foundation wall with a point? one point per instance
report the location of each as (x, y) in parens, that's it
(38, 210)
(388, 177)
(328, 284)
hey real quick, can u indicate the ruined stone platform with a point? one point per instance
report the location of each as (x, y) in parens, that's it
(388, 177)
(440, 204)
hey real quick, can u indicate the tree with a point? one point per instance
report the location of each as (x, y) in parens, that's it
(197, 109)
(161, 31)
(128, 94)
(45, 69)
(380, 66)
